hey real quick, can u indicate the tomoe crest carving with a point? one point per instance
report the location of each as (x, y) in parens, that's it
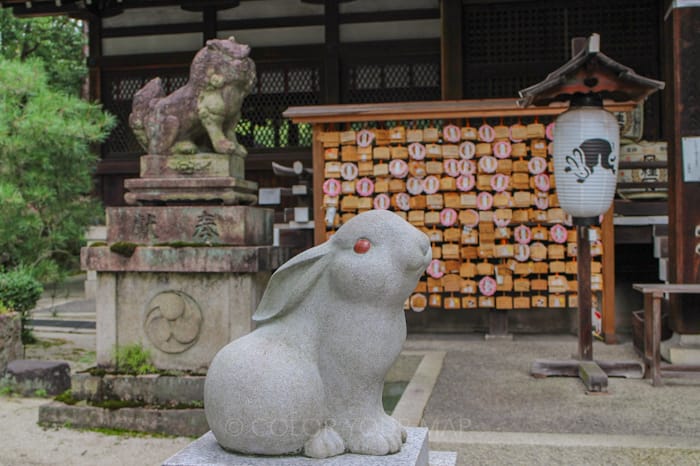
(173, 321)
(591, 153)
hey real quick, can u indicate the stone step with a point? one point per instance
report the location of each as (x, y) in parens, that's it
(414, 452)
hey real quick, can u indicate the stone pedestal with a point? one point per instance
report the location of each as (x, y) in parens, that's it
(207, 178)
(205, 451)
(682, 349)
(183, 281)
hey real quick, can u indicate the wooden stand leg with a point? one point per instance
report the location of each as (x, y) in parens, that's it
(585, 326)
(656, 340)
(648, 304)
(498, 325)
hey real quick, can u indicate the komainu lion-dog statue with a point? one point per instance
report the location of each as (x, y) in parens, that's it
(202, 115)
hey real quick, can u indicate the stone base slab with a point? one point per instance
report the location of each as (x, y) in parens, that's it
(216, 259)
(204, 164)
(229, 225)
(206, 451)
(224, 190)
(151, 389)
(682, 349)
(180, 422)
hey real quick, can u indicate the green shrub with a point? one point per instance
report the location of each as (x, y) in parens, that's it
(47, 163)
(133, 359)
(19, 291)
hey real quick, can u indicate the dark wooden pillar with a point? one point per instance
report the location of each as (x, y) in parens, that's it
(94, 28)
(331, 59)
(682, 100)
(451, 49)
(209, 24)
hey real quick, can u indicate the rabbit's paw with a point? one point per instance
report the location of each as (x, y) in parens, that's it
(324, 444)
(381, 436)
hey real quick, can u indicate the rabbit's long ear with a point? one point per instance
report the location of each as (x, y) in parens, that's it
(292, 282)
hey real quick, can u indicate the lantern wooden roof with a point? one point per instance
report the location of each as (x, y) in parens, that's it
(590, 71)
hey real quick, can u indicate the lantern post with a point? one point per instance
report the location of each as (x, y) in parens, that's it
(586, 156)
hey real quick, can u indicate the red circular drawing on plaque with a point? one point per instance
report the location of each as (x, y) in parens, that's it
(484, 201)
(549, 131)
(349, 171)
(558, 234)
(488, 164)
(522, 234)
(331, 187)
(542, 182)
(448, 217)
(431, 184)
(381, 202)
(403, 201)
(364, 138)
(487, 286)
(452, 133)
(487, 133)
(364, 187)
(466, 182)
(467, 150)
(416, 150)
(451, 167)
(500, 182)
(537, 165)
(522, 252)
(467, 167)
(436, 268)
(502, 149)
(414, 186)
(398, 168)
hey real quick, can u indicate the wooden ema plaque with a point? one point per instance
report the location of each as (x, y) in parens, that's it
(478, 181)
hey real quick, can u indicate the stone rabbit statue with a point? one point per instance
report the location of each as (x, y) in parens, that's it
(330, 325)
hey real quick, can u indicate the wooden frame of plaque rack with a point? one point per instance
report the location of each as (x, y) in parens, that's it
(467, 252)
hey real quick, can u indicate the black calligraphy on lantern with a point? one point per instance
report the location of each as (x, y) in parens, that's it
(206, 229)
(144, 225)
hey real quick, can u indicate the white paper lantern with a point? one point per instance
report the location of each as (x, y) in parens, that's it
(586, 155)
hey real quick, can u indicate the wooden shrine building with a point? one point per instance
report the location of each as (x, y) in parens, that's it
(317, 52)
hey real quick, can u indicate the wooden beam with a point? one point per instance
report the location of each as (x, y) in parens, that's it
(451, 49)
(443, 109)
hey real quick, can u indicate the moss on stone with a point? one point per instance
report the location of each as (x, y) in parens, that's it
(66, 398)
(124, 248)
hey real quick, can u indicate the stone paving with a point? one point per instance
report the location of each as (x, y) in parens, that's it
(484, 404)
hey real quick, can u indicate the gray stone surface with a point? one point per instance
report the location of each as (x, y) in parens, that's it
(10, 339)
(488, 387)
(330, 325)
(181, 422)
(31, 375)
(206, 451)
(183, 319)
(442, 458)
(212, 224)
(682, 349)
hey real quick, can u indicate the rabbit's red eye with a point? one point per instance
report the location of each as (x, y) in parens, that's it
(362, 246)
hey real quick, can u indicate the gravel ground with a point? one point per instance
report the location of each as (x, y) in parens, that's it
(26, 443)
